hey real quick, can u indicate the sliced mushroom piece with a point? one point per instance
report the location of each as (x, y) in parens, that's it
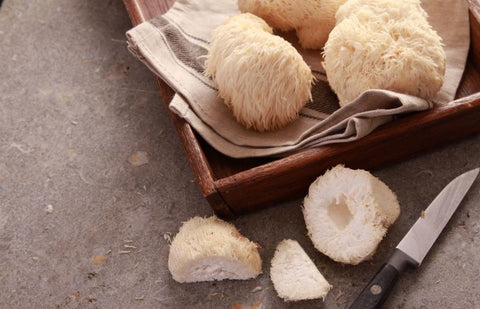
(294, 275)
(347, 213)
(207, 249)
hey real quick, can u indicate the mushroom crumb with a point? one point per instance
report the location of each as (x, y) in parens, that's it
(347, 213)
(49, 209)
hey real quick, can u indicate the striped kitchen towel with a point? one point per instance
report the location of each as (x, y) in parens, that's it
(174, 44)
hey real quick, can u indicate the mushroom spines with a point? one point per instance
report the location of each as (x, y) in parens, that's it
(261, 77)
(208, 249)
(381, 44)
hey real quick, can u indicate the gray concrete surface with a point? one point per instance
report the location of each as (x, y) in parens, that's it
(83, 227)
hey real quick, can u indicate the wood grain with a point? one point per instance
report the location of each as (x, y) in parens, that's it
(475, 32)
(196, 157)
(237, 186)
(395, 141)
(140, 11)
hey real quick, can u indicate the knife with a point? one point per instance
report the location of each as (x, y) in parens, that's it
(415, 245)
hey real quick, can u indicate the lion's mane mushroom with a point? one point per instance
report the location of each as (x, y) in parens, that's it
(383, 44)
(312, 19)
(294, 275)
(347, 213)
(260, 76)
(207, 249)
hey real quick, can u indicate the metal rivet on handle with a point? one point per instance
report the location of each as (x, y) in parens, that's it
(376, 289)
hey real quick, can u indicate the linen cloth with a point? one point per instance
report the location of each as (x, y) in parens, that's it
(174, 44)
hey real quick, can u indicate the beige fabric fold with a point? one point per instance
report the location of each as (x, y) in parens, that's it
(173, 46)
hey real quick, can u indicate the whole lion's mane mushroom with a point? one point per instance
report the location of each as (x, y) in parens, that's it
(383, 44)
(312, 19)
(260, 76)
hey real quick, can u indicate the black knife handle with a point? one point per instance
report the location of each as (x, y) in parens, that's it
(375, 293)
(377, 290)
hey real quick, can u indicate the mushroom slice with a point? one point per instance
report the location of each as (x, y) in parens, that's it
(347, 213)
(294, 275)
(207, 249)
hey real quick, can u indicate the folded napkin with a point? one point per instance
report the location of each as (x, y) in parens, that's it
(174, 44)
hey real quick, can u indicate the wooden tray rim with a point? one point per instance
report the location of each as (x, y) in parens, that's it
(216, 191)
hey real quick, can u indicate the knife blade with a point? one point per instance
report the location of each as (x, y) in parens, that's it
(415, 245)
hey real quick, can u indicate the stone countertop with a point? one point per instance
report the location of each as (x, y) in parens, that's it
(94, 183)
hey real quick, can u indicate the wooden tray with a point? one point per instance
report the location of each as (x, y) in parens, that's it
(237, 186)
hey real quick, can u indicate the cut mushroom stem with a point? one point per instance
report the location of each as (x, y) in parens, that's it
(207, 249)
(347, 213)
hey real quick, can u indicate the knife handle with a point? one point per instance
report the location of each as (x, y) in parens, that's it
(375, 293)
(377, 290)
